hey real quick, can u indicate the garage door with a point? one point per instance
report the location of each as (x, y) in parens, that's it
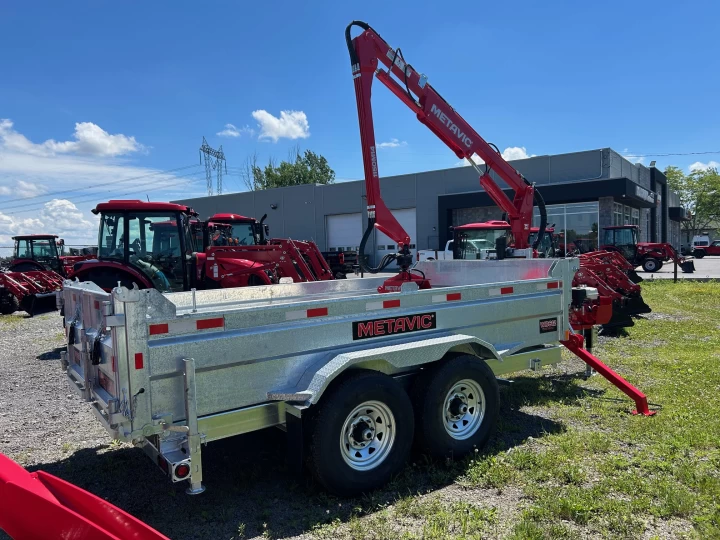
(344, 232)
(384, 245)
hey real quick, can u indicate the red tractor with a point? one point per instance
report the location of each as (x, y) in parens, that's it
(153, 244)
(36, 271)
(649, 255)
(36, 252)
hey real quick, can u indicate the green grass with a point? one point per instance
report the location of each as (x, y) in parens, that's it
(600, 472)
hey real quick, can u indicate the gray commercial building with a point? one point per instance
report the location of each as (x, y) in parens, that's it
(583, 191)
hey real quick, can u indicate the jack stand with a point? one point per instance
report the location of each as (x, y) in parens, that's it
(590, 335)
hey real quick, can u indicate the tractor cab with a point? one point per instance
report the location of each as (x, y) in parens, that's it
(236, 230)
(548, 246)
(481, 240)
(622, 238)
(150, 243)
(36, 252)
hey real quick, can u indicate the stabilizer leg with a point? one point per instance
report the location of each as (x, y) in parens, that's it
(575, 344)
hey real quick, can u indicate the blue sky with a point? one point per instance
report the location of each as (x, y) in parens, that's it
(93, 93)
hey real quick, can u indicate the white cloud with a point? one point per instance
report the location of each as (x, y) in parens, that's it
(631, 158)
(58, 216)
(290, 125)
(515, 152)
(509, 154)
(699, 166)
(22, 189)
(392, 143)
(62, 215)
(45, 191)
(90, 139)
(232, 131)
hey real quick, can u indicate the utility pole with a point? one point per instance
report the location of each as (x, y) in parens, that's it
(214, 159)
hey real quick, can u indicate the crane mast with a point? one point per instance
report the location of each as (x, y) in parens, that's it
(369, 54)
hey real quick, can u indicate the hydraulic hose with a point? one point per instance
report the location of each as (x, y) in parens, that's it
(540, 202)
(384, 262)
(353, 55)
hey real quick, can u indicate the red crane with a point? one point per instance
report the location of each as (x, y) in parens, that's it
(368, 54)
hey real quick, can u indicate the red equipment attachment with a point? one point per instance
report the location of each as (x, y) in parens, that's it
(574, 344)
(40, 505)
(367, 52)
(20, 290)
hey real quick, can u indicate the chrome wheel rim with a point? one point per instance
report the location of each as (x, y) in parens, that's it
(367, 435)
(464, 409)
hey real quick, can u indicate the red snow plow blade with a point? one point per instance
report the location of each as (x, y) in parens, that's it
(40, 505)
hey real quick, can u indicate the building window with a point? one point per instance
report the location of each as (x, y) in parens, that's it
(635, 217)
(617, 214)
(627, 215)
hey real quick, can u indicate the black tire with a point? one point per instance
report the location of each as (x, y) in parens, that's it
(698, 253)
(327, 458)
(8, 303)
(340, 275)
(431, 392)
(27, 267)
(651, 265)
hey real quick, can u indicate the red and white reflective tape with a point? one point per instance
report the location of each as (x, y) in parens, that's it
(306, 314)
(550, 285)
(501, 291)
(449, 297)
(385, 304)
(186, 326)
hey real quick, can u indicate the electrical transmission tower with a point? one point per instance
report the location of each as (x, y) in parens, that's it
(214, 159)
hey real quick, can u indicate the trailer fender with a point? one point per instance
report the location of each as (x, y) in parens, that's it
(397, 358)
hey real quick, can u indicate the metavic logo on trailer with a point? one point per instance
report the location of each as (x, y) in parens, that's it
(393, 325)
(467, 141)
(548, 325)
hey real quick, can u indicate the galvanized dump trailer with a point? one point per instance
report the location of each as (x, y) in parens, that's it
(353, 376)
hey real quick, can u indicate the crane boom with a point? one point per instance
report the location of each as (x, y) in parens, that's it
(367, 52)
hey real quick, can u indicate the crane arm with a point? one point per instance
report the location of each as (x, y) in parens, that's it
(369, 53)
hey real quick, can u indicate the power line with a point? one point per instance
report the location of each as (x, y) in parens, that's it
(85, 198)
(84, 188)
(672, 154)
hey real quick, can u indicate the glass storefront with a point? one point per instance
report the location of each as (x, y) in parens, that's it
(576, 225)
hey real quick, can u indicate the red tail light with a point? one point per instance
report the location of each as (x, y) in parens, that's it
(341, 258)
(182, 470)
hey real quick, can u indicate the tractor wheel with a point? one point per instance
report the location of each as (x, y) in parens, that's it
(651, 265)
(340, 275)
(26, 267)
(362, 433)
(698, 253)
(8, 303)
(456, 406)
(254, 281)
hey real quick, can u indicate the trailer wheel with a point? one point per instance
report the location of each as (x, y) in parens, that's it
(362, 434)
(651, 265)
(8, 303)
(698, 253)
(457, 406)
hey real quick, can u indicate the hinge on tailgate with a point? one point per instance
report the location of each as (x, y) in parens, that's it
(115, 320)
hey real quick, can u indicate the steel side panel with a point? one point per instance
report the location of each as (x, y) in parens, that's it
(237, 368)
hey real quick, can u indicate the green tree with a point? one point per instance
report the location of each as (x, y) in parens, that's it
(700, 194)
(298, 169)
